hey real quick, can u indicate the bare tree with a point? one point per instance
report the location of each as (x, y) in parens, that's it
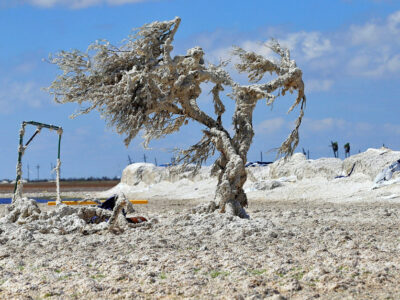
(139, 86)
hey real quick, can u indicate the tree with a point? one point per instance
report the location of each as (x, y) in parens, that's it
(139, 86)
(346, 150)
(335, 149)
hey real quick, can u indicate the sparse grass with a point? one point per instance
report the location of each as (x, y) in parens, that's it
(280, 274)
(216, 273)
(196, 270)
(257, 271)
(163, 275)
(98, 276)
(64, 277)
(343, 268)
(311, 284)
(298, 275)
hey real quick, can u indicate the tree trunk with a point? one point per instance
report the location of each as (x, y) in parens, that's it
(230, 196)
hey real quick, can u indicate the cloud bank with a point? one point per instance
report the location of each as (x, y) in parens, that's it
(369, 50)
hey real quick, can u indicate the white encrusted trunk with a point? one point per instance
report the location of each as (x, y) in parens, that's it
(229, 196)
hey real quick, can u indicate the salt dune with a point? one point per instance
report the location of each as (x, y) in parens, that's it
(310, 235)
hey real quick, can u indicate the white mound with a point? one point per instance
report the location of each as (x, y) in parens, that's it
(291, 178)
(371, 162)
(302, 168)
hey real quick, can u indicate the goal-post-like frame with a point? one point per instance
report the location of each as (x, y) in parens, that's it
(22, 148)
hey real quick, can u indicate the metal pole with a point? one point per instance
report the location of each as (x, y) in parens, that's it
(58, 171)
(21, 149)
(20, 153)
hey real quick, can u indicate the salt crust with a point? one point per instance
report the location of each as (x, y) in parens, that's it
(294, 176)
(311, 237)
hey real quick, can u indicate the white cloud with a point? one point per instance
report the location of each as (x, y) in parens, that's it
(270, 126)
(318, 85)
(76, 4)
(311, 45)
(370, 50)
(344, 127)
(366, 34)
(375, 48)
(323, 125)
(14, 95)
(26, 67)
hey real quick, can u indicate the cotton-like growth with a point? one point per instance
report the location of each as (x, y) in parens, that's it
(139, 86)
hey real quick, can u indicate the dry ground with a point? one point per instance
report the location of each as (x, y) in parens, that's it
(288, 249)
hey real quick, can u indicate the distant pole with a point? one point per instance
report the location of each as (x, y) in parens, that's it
(261, 155)
(308, 154)
(37, 167)
(130, 160)
(155, 160)
(144, 157)
(28, 172)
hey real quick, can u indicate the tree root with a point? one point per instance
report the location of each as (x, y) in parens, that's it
(232, 208)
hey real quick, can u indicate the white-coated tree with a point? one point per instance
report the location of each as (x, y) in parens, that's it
(139, 86)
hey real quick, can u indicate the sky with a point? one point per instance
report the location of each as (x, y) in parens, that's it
(349, 51)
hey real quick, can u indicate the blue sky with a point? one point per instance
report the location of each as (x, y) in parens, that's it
(348, 51)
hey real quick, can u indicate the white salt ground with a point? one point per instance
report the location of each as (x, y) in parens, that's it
(308, 237)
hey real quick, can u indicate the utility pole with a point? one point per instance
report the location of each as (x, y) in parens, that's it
(261, 155)
(130, 160)
(144, 157)
(28, 172)
(155, 160)
(38, 167)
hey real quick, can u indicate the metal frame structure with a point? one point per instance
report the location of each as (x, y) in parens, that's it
(22, 148)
